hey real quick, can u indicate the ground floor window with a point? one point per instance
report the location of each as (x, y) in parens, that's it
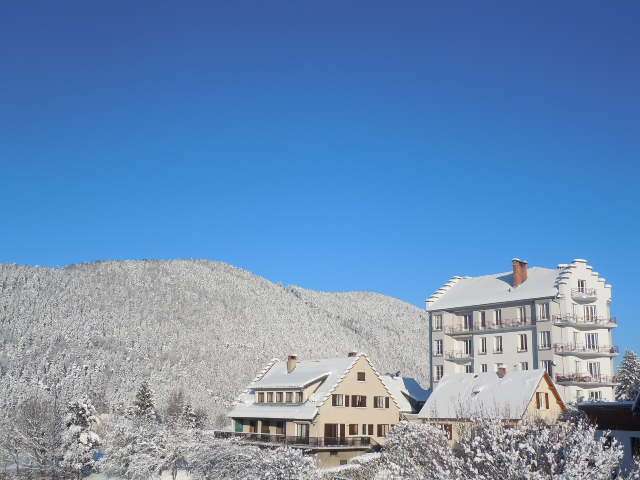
(595, 396)
(447, 429)
(383, 430)
(353, 429)
(302, 430)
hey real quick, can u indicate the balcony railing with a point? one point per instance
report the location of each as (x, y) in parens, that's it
(572, 349)
(573, 320)
(586, 378)
(584, 295)
(296, 442)
(456, 356)
(490, 327)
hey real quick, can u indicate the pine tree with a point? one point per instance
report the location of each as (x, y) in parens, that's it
(175, 407)
(144, 405)
(79, 440)
(189, 418)
(628, 377)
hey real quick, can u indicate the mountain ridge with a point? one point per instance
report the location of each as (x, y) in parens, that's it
(100, 328)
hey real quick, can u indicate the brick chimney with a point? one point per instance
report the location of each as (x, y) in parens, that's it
(519, 271)
(352, 354)
(502, 371)
(292, 361)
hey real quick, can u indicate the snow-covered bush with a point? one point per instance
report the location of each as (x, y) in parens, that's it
(79, 440)
(628, 377)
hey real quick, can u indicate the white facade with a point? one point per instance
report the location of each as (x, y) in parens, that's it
(557, 319)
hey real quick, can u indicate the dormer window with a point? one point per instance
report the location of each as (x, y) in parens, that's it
(260, 397)
(289, 397)
(298, 397)
(279, 397)
(269, 397)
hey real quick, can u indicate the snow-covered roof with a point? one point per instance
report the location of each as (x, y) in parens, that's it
(403, 388)
(464, 395)
(330, 371)
(462, 292)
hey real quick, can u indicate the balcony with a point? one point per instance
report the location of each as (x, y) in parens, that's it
(585, 380)
(585, 350)
(510, 324)
(581, 322)
(584, 295)
(454, 356)
(296, 442)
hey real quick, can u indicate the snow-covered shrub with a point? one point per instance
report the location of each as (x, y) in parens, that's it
(79, 440)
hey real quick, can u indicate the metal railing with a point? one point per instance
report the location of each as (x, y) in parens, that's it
(490, 326)
(454, 355)
(585, 378)
(293, 441)
(561, 320)
(570, 348)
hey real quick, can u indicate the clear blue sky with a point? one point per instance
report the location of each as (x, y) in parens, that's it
(335, 145)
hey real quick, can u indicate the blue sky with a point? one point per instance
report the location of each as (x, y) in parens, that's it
(334, 145)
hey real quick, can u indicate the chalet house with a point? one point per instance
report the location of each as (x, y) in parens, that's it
(408, 393)
(510, 397)
(620, 420)
(333, 408)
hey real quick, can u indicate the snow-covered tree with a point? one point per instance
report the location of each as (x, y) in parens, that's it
(144, 404)
(628, 377)
(175, 406)
(80, 440)
(188, 418)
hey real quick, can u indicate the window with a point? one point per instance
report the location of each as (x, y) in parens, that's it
(343, 461)
(370, 429)
(289, 397)
(279, 397)
(468, 368)
(298, 397)
(498, 366)
(497, 317)
(542, 400)
(467, 347)
(447, 429)
(378, 402)
(364, 429)
(589, 313)
(353, 429)
(543, 311)
(524, 365)
(582, 285)
(302, 430)
(333, 453)
(484, 368)
(361, 376)
(437, 322)
(467, 321)
(346, 400)
(594, 369)
(595, 396)
(522, 342)
(591, 341)
(260, 397)
(497, 344)
(548, 366)
(483, 319)
(269, 397)
(483, 345)
(635, 447)
(383, 429)
(522, 314)
(358, 401)
(438, 372)
(544, 341)
(337, 400)
(437, 348)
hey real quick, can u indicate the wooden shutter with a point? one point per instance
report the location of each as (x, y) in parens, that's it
(546, 400)
(346, 400)
(386, 402)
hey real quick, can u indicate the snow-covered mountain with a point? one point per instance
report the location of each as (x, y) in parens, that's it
(102, 328)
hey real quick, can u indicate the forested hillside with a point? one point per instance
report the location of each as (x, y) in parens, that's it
(101, 329)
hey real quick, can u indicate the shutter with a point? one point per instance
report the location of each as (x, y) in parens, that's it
(538, 400)
(546, 400)
(346, 400)
(386, 402)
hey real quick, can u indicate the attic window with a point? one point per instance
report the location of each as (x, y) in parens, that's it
(361, 376)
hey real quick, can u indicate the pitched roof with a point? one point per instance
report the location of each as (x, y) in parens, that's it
(495, 288)
(330, 372)
(465, 395)
(403, 389)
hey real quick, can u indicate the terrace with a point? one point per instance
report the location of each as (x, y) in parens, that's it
(508, 324)
(585, 380)
(332, 443)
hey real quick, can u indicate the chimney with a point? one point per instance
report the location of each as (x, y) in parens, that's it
(292, 361)
(352, 354)
(519, 271)
(502, 371)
